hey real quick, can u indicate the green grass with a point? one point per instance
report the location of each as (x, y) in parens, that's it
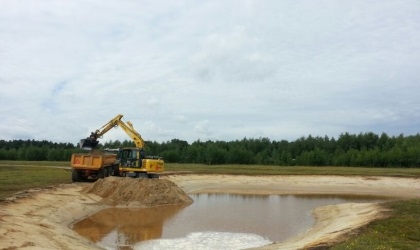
(400, 231)
(19, 177)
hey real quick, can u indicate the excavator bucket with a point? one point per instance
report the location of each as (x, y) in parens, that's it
(88, 143)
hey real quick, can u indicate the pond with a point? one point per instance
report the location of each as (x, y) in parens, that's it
(213, 221)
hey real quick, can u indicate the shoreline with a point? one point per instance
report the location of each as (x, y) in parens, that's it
(42, 218)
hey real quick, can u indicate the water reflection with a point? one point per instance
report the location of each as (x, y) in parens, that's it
(125, 227)
(274, 217)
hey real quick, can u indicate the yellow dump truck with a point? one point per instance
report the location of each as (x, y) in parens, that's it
(92, 165)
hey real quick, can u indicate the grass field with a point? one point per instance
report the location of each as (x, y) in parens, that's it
(22, 176)
(400, 231)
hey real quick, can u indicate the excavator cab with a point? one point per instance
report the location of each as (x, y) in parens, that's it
(131, 157)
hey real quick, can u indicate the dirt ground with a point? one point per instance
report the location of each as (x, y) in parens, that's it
(40, 219)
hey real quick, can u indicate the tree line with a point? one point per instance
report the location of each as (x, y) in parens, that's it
(364, 149)
(31, 150)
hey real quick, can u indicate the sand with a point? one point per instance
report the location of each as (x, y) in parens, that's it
(140, 192)
(41, 219)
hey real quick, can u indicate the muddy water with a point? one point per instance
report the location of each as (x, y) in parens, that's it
(215, 218)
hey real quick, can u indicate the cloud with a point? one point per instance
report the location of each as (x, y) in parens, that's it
(208, 70)
(203, 128)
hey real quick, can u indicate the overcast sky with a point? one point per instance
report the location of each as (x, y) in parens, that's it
(209, 70)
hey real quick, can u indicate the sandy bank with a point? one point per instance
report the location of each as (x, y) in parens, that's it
(41, 220)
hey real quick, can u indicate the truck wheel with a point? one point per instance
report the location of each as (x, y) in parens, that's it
(75, 177)
(101, 173)
(106, 172)
(116, 171)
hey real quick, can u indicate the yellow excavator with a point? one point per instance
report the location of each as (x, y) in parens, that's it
(130, 161)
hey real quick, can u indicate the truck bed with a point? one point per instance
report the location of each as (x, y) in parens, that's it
(92, 161)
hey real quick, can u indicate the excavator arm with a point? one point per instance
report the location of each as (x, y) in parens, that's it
(130, 131)
(92, 140)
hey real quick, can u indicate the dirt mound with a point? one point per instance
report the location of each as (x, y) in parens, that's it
(140, 192)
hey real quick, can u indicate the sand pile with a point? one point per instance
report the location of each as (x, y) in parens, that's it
(140, 192)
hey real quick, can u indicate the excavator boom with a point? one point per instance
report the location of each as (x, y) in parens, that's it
(92, 141)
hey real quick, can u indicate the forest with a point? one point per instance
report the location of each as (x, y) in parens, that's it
(357, 150)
